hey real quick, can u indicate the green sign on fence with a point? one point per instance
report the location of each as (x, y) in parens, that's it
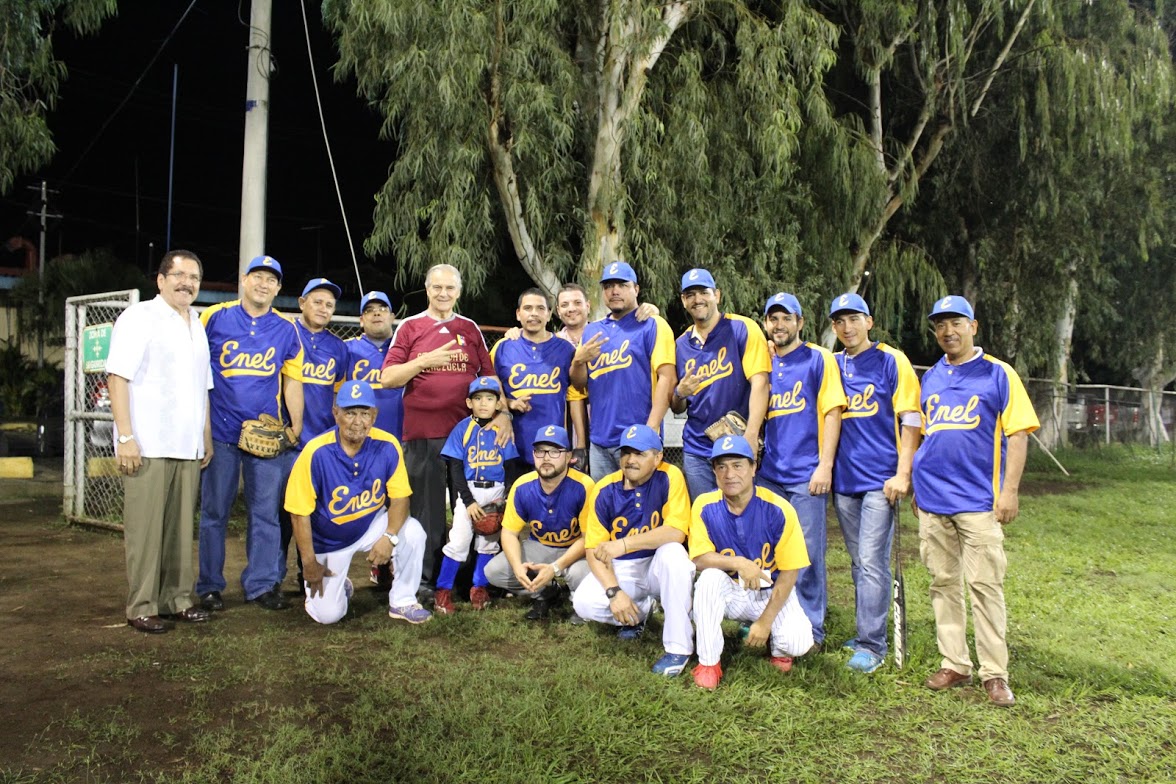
(95, 347)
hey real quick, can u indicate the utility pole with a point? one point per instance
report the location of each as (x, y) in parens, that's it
(44, 215)
(256, 135)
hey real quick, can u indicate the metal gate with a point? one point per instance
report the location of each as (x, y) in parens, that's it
(92, 491)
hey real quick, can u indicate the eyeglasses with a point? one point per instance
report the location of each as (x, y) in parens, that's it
(182, 277)
(549, 452)
(377, 309)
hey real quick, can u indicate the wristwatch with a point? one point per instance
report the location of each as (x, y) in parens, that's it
(611, 592)
(393, 538)
(125, 438)
(559, 572)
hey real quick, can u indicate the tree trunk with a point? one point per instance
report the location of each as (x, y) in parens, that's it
(1153, 378)
(1054, 432)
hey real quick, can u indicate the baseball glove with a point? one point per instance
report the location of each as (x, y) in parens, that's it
(265, 436)
(729, 424)
(491, 522)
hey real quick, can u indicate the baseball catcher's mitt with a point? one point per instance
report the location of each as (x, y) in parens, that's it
(491, 522)
(729, 424)
(265, 436)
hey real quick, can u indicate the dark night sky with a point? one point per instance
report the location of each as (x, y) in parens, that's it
(97, 201)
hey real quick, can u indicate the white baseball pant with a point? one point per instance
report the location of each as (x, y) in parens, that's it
(717, 596)
(667, 576)
(461, 533)
(407, 562)
(499, 573)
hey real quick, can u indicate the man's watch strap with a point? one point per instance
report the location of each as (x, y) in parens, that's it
(126, 437)
(612, 592)
(393, 538)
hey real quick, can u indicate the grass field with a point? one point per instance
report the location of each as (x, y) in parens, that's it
(485, 697)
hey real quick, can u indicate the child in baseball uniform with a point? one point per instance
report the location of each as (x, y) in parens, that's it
(477, 473)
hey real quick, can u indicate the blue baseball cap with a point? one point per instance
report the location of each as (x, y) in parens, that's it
(641, 438)
(618, 270)
(356, 394)
(265, 263)
(322, 283)
(484, 384)
(952, 305)
(789, 303)
(552, 434)
(848, 303)
(732, 446)
(696, 278)
(374, 296)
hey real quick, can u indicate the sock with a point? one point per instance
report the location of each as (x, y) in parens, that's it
(480, 580)
(449, 569)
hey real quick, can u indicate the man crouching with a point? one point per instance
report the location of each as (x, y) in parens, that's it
(748, 546)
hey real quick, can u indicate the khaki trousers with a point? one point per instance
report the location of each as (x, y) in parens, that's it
(158, 517)
(969, 548)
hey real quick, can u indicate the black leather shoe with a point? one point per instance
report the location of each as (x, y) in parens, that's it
(541, 606)
(212, 601)
(271, 600)
(190, 615)
(148, 624)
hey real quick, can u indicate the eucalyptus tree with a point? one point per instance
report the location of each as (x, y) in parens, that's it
(30, 76)
(673, 134)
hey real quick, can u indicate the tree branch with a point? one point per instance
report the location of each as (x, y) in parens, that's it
(999, 62)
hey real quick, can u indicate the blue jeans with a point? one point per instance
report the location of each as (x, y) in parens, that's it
(811, 586)
(700, 477)
(264, 480)
(867, 523)
(603, 461)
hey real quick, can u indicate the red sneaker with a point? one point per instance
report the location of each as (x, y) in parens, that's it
(707, 676)
(443, 602)
(781, 663)
(479, 597)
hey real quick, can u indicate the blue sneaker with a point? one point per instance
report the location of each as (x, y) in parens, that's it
(413, 613)
(631, 632)
(348, 588)
(850, 644)
(865, 662)
(671, 664)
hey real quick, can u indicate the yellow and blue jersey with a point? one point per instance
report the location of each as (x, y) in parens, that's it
(481, 457)
(734, 351)
(968, 412)
(614, 512)
(621, 380)
(879, 385)
(553, 519)
(767, 531)
(340, 494)
(324, 366)
(805, 386)
(248, 357)
(542, 370)
(365, 359)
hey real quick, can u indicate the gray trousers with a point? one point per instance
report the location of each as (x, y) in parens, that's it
(499, 573)
(159, 506)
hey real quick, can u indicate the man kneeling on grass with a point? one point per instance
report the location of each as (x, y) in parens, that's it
(747, 544)
(549, 502)
(348, 493)
(637, 521)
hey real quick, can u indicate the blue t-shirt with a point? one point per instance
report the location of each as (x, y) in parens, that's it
(805, 386)
(542, 369)
(554, 519)
(324, 364)
(365, 359)
(614, 512)
(476, 448)
(767, 531)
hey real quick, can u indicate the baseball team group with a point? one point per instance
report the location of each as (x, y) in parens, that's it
(546, 452)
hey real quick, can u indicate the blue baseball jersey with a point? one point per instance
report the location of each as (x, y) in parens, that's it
(541, 369)
(879, 385)
(614, 512)
(340, 494)
(324, 365)
(365, 358)
(475, 447)
(805, 386)
(968, 412)
(248, 357)
(734, 351)
(553, 518)
(767, 531)
(621, 380)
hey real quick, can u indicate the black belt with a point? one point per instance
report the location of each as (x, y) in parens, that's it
(482, 485)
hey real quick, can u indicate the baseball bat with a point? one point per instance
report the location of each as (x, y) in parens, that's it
(899, 603)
